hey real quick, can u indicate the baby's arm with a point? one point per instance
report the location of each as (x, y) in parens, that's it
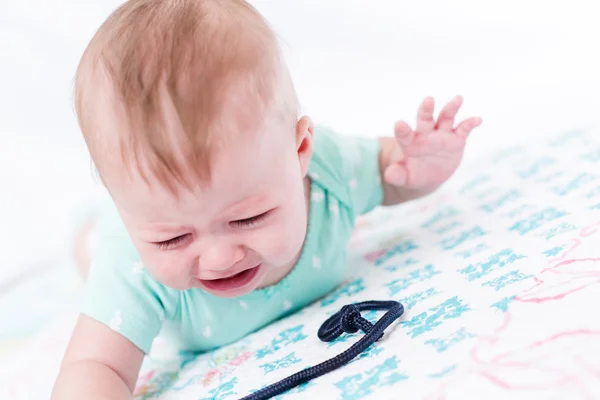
(98, 364)
(415, 163)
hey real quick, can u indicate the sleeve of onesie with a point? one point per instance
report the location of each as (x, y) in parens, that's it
(360, 159)
(120, 293)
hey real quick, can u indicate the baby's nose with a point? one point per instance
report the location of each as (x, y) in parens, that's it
(220, 258)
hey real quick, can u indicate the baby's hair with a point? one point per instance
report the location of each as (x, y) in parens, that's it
(215, 65)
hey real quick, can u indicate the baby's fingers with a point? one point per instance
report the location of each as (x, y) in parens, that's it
(446, 119)
(465, 127)
(425, 121)
(403, 133)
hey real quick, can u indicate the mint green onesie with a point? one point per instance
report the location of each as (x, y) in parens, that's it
(123, 295)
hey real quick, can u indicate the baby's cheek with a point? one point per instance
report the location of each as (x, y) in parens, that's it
(286, 242)
(279, 247)
(166, 271)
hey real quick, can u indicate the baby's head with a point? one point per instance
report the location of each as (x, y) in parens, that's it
(191, 119)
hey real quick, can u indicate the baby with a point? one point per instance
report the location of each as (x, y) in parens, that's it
(230, 210)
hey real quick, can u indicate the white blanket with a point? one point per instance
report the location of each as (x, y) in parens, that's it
(499, 273)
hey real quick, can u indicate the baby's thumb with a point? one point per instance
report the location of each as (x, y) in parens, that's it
(396, 175)
(403, 133)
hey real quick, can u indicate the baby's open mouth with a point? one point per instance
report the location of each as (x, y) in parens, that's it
(232, 282)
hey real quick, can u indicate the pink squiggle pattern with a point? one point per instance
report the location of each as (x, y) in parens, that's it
(541, 358)
(565, 361)
(560, 281)
(538, 355)
(557, 266)
(589, 230)
(583, 233)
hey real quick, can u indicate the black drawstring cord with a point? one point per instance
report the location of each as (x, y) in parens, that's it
(348, 320)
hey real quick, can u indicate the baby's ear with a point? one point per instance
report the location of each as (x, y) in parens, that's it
(304, 142)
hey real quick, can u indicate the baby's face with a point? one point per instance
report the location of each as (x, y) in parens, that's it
(243, 230)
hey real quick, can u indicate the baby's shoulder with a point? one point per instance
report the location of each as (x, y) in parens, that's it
(328, 148)
(348, 167)
(326, 168)
(335, 160)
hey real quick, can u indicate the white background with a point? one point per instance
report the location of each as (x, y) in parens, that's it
(528, 67)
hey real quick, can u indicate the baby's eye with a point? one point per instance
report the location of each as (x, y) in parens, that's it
(250, 222)
(172, 243)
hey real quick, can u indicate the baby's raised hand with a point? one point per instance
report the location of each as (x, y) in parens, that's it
(427, 156)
